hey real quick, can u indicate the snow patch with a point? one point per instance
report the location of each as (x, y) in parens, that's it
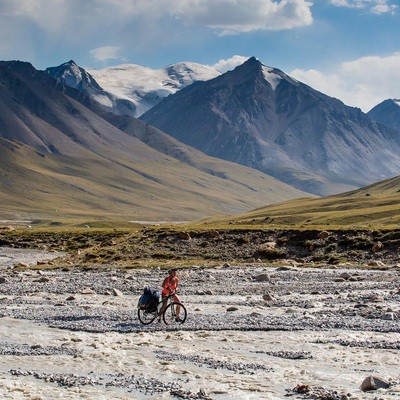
(103, 99)
(272, 78)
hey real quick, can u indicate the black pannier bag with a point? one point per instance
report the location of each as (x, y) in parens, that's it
(149, 299)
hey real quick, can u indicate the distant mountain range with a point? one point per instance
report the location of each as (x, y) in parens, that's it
(260, 117)
(70, 134)
(63, 154)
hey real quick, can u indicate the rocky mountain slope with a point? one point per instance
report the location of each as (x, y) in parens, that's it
(387, 113)
(260, 117)
(59, 156)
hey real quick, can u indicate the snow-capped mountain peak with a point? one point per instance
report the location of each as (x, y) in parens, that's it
(144, 86)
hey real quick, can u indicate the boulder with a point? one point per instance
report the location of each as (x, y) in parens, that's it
(345, 275)
(323, 235)
(214, 234)
(262, 278)
(373, 383)
(389, 316)
(377, 246)
(117, 292)
(268, 297)
(184, 236)
(263, 247)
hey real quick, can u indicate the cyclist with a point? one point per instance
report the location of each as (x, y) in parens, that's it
(170, 287)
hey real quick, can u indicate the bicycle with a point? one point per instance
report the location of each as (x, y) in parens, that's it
(149, 312)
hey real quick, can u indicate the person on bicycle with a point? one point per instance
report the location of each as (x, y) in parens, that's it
(170, 287)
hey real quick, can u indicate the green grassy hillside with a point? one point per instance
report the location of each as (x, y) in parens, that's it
(374, 206)
(87, 186)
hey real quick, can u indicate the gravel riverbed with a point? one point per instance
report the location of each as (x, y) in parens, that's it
(253, 332)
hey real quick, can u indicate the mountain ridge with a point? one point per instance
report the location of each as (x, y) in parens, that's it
(67, 157)
(288, 130)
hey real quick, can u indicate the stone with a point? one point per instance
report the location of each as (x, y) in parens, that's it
(376, 299)
(373, 383)
(345, 275)
(339, 280)
(265, 247)
(323, 235)
(262, 278)
(88, 291)
(389, 316)
(377, 246)
(267, 297)
(117, 292)
(184, 236)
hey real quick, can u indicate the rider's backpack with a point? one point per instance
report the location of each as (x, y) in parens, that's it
(149, 299)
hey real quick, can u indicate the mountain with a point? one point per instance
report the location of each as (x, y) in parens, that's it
(71, 75)
(260, 117)
(60, 157)
(146, 87)
(387, 113)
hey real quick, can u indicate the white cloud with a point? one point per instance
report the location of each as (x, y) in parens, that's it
(362, 83)
(105, 53)
(375, 6)
(229, 64)
(234, 16)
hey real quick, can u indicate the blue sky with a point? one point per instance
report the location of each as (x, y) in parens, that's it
(349, 49)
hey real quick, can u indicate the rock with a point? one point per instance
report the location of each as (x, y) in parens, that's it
(373, 383)
(267, 297)
(376, 299)
(345, 275)
(262, 278)
(323, 235)
(285, 268)
(377, 246)
(184, 236)
(22, 264)
(214, 234)
(389, 316)
(88, 291)
(43, 279)
(265, 247)
(117, 292)
(376, 263)
(232, 308)
(3, 280)
(70, 298)
(339, 280)
(8, 228)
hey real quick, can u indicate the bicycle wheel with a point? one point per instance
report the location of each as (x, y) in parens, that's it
(170, 317)
(146, 317)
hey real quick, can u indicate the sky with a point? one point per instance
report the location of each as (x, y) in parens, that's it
(348, 49)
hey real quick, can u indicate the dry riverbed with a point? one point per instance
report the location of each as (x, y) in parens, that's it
(254, 331)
